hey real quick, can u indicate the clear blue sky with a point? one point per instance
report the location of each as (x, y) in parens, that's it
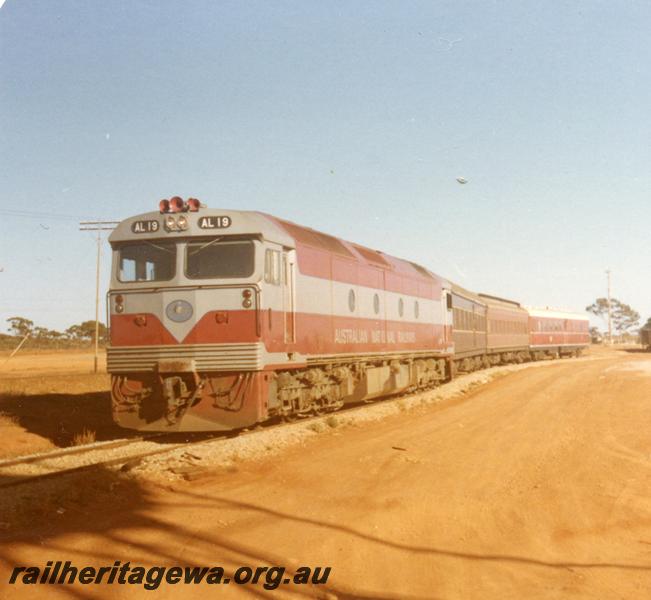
(351, 117)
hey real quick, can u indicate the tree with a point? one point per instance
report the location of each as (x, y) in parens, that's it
(20, 326)
(622, 315)
(55, 335)
(86, 331)
(41, 333)
(88, 327)
(74, 332)
(647, 325)
(595, 335)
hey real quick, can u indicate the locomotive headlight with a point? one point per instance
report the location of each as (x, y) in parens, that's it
(119, 303)
(176, 204)
(246, 303)
(182, 223)
(170, 224)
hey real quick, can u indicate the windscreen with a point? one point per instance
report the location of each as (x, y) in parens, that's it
(218, 259)
(147, 261)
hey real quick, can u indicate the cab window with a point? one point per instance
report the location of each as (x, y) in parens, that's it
(219, 259)
(146, 261)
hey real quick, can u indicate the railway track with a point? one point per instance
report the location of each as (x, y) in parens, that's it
(71, 451)
(88, 457)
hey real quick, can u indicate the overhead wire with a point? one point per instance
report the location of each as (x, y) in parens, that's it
(42, 215)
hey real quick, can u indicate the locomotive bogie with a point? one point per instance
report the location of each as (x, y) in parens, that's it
(187, 402)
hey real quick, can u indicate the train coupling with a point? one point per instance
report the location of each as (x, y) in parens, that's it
(179, 391)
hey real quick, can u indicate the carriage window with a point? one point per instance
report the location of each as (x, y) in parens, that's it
(148, 261)
(272, 267)
(217, 259)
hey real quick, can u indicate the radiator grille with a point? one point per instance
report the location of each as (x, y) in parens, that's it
(207, 357)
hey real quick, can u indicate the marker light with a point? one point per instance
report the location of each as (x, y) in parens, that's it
(119, 306)
(193, 204)
(246, 293)
(246, 303)
(176, 204)
(164, 206)
(182, 223)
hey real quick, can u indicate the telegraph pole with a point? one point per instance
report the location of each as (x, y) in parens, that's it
(610, 322)
(97, 226)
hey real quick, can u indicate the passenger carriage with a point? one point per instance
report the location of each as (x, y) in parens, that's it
(487, 330)
(557, 333)
(507, 330)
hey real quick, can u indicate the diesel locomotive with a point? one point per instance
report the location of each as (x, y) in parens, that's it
(221, 319)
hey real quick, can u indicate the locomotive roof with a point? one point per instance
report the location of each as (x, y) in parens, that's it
(270, 228)
(376, 258)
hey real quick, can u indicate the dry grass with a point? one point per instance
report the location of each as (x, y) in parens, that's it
(53, 384)
(332, 421)
(317, 426)
(87, 436)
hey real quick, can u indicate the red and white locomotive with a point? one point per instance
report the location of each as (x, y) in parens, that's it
(220, 319)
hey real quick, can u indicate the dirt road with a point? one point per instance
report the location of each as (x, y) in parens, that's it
(537, 485)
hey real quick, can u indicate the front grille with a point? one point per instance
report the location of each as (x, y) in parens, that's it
(207, 357)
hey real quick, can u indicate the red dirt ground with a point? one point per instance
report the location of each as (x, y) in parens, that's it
(535, 486)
